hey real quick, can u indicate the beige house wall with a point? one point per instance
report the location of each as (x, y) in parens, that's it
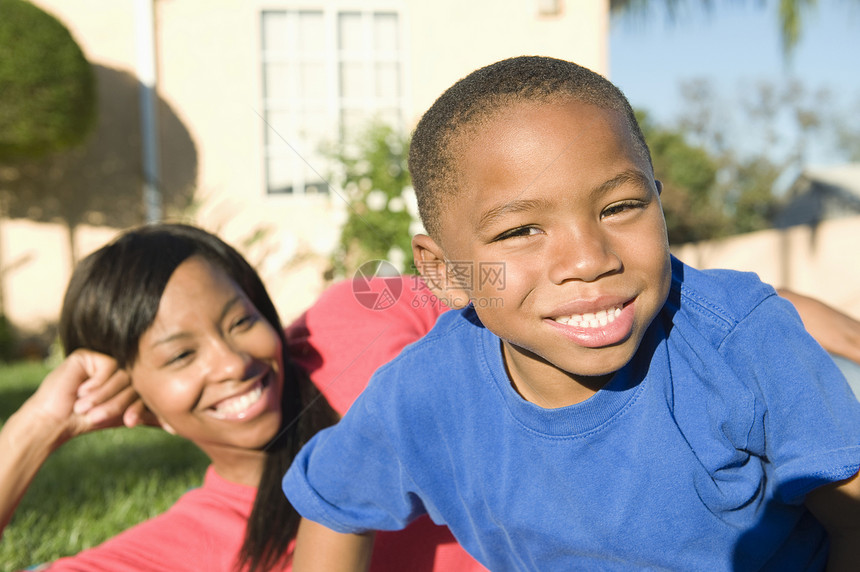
(822, 262)
(37, 264)
(450, 38)
(209, 80)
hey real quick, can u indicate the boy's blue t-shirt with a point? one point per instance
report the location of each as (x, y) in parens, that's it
(696, 456)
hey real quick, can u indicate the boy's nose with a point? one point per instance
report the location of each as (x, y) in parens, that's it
(584, 254)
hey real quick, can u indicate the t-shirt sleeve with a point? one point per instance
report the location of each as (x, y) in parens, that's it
(808, 419)
(354, 328)
(349, 478)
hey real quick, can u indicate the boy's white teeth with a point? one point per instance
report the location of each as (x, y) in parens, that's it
(236, 406)
(589, 320)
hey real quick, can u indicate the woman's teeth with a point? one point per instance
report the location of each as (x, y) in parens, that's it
(236, 406)
(589, 320)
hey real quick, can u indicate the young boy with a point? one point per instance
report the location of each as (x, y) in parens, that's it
(594, 404)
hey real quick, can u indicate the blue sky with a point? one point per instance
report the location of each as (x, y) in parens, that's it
(737, 42)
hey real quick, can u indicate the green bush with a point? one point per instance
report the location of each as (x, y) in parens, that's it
(48, 96)
(381, 218)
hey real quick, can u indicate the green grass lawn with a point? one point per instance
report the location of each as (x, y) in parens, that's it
(94, 486)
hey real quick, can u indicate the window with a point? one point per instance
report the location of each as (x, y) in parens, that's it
(326, 74)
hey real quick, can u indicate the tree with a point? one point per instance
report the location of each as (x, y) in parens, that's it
(48, 98)
(709, 194)
(722, 158)
(688, 175)
(100, 181)
(47, 91)
(790, 15)
(846, 129)
(373, 174)
(766, 131)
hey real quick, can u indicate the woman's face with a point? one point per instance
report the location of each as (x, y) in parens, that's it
(210, 366)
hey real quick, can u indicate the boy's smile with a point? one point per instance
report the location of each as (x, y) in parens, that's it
(559, 193)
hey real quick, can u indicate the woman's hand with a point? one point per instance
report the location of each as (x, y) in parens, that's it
(837, 332)
(84, 393)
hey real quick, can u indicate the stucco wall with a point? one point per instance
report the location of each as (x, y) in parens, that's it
(37, 263)
(822, 261)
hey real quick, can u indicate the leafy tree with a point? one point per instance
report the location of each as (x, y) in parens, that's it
(768, 133)
(722, 158)
(846, 131)
(47, 90)
(790, 14)
(48, 98)
(750, 200)
(708, 194)
(374, 177)
(100, 181)
(688, 174)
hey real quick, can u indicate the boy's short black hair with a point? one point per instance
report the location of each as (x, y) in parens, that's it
(473, 101)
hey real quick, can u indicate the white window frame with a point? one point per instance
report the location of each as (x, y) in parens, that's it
(291, 144)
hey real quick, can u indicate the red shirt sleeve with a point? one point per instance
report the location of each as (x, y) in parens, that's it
(357, 326)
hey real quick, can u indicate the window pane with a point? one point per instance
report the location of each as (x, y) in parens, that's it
(313, 124)
(385, 32)
(313, 181)
(278, 175)
(349, 34)
(387, 80)
(312, 81)
(275, 31)
(353, 80)
(276, 78)
(390, 116)
(311, 33)
(277, 128)
(352, 121)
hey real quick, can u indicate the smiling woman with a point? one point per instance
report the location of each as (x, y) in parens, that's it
(170, 326)
(210, 367)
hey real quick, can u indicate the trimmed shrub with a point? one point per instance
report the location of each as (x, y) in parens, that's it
(47, 86)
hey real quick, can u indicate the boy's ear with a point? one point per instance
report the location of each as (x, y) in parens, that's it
(430, 261)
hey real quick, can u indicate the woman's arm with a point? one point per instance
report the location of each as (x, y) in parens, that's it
(320, 549)
(85, 393)
(837, 332)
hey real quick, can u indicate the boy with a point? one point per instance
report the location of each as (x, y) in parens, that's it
(600, 405)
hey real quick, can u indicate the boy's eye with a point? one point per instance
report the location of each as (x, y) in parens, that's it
(518, 232)
(618, 208)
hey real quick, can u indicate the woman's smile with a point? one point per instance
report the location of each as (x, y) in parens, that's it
(242, 406)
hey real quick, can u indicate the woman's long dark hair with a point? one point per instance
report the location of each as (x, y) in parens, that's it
(113, 298)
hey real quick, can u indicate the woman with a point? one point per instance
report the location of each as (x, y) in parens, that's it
(187, 320)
